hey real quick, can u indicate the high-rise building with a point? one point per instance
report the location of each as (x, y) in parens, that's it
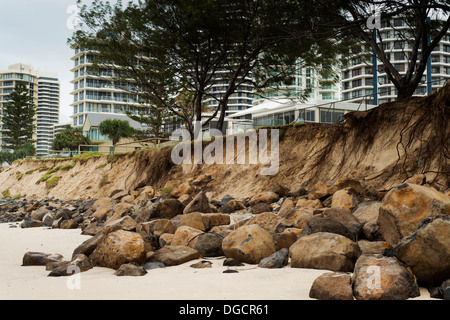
(44, 89)
(307, 83)
(96, 91)
(358, 76)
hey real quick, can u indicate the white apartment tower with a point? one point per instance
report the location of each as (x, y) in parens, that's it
(358, 76)
(96, 91)
(45, 90)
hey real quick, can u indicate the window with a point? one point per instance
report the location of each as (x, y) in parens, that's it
(331, 116)
(399, 56)
(398, 22)
(357, 93)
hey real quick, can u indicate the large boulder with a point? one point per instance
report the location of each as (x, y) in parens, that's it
(332, 286)
(324, 250)
(367, 213)
(277, 260)
(345, 217)
(167, 209)
(175, 255)
(117, 248)
(209, 244)
(321, 224)
(377, 277)
(427, 251)
(267, 220)
(344, 183)
(404, 208)
(249, 243)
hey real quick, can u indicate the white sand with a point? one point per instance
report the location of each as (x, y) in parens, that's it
(171, 283)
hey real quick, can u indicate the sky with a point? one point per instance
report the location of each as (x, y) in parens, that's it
(35, 32)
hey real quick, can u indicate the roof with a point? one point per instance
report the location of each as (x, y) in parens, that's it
(270, 106)
(96, 118)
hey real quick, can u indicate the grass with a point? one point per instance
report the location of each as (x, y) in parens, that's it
(53, 182)
(19, 175)
(101, 166)
(167, 192)
(45, 177)
(104, 181)
(6, 194)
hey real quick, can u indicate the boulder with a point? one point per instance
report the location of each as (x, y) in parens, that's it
(427, 251)
(68, 224)
(185, 236)
(445, 289)
(277, 260)
(267, 220)
(165, 239)
(296, 217)
(377, 277)
(39, 213)
(320, 191)
(193, 220)
(156, 227)
(249, 243)
(88, 246)
(80, 263)
(130, 270)
(39, 258)
(324, 250)
(345, 199)
(372, 247)
(103, 202)
(332, 286)
(126, 223)
(265, 197)
(345, 217)
(118, 211)
(165, 209)
(323, 224)
(202, 180)
(117, 248)
(175, 255)
(30, 223)
(287, 204)
(261, 207)
(101, 214)
(200, 203)
(181, 190)
(315, 204)
(209, 244)
(281, 190)
(286, 238)
(345, 183)
(211, 220)
(404, 208)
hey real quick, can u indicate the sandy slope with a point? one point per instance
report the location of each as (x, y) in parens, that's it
(174, 283)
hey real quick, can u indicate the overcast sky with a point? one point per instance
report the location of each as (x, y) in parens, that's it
(35, 32)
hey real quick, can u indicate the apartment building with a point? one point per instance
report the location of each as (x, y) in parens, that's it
(45, 89)
(358, 77)
(96, 91)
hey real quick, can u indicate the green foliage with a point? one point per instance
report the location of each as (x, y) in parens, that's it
(6, 194)
(18, 117)
(116, 129)
(104, 181)
(25, 150)
(70, 138)
(45, 177)
(51, 183)
(101, 166)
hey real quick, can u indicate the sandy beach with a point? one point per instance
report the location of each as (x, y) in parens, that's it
(171, 283)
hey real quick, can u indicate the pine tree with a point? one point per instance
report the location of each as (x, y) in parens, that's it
(19, 117)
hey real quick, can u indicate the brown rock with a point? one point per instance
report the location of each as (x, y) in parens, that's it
(126, 223)
(261, 207)
(165, 239)
(167, 209)
(193, 220)
(175, 255)
(405, 207)
(344, 183)
(199, 204)
(319, 191)
(249, 243)
(332, 286)
(117, 248)
(316, 204)
(267, 220)
(185, 236)
(427, 251)
(39, 258)
(346, 199)
(211, 220)
(266, 197)
(182, 190)
(324, 250)
(377, 277)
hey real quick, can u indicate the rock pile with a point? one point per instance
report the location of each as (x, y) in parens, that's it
(378, 245)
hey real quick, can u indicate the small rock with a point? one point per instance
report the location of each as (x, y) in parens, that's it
(201, 264)
(230, 262)
(345, 199)
(277, 260)
(130, 270)
(445, 289)
(199, 204)
(175, 255)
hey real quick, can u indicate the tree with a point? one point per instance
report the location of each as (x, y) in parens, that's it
(26, 150)
(427, 20)
(171, 47)
(70, 138)
(116, 130)
(19, 117)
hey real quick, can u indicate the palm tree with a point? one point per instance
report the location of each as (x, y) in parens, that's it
(70, 138)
